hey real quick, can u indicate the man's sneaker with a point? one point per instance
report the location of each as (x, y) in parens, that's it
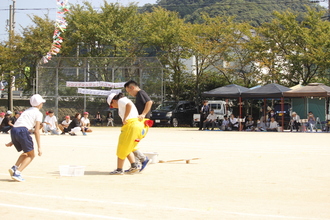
(132, 170)
(116, 172)
(144, 164)
(12, 171)
(72, 134)
(18, 177)
(84, 133)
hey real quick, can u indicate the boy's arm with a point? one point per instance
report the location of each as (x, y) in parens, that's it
(128, 108)
(37, 137)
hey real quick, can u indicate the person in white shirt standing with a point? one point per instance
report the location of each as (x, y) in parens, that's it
(21, 138)
(85, 123)
(132, 131)
(50, 123)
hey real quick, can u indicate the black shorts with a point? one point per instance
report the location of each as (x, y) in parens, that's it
(21, 139)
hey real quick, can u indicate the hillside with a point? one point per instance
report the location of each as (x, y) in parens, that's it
(254, 11)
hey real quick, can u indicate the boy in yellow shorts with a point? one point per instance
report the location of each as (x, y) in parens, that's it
(132, 131)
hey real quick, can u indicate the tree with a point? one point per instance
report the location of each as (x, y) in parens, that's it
(165, 32)
(36, 42)
(215, 42)
(256, 12)
(237, 63)
(114, 31)
(296, 51)
(10, 63)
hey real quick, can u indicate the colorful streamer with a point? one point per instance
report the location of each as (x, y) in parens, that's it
(60, 27)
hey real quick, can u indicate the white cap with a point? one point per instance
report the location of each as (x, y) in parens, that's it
(36, 100)
(110, 97)
(9, 112)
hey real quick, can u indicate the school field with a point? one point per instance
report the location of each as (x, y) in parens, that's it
(241, 175)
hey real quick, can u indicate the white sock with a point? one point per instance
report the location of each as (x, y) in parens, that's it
(17, 172)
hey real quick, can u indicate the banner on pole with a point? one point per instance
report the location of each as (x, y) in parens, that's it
(95, 84)
(98, 92)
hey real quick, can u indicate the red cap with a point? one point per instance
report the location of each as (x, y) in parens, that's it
(86, 113)
(67, 116)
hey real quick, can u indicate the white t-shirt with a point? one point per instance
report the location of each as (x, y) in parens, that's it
(66, 123)
(225, 122)
(122, 108)
(211, 117)
(296, 118)
(29, 118)
(234, 121)
(84, 120)
(51, 120)
(273, 124)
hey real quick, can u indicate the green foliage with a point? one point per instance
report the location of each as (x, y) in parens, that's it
(295, 51)
(113, 31)
(254, 11)
(165, 32)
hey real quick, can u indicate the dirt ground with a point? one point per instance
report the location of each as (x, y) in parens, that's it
(241, 175)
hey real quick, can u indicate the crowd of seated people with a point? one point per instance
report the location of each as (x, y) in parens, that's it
(234, 124)
(265, 123)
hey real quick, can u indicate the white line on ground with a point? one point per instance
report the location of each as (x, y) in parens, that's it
(273, 216)
(137, 205)
(101, 201)
(61, 212)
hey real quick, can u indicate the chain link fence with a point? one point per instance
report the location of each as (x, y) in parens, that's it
(52, 78)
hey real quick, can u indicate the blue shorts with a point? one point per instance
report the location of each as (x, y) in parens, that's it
(21, 139)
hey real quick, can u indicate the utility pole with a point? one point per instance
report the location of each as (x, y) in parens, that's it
(11, 39)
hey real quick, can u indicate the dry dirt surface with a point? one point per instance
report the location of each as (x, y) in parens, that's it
(241, 175)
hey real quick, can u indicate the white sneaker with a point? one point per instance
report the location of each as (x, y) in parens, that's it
(116, 172)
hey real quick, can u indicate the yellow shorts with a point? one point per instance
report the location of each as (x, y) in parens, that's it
(131, 134)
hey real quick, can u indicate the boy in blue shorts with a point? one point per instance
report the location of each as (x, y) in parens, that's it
(20, 136)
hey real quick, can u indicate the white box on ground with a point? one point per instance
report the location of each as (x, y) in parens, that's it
(153, 156)
(72, 170)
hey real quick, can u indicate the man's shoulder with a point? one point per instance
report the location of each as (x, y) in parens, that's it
(143, 93)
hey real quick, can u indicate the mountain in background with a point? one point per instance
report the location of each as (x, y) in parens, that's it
(254, 11)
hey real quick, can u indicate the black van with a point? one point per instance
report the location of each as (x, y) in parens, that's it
(174, 113)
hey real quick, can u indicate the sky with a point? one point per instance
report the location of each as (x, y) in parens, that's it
(42, 7)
